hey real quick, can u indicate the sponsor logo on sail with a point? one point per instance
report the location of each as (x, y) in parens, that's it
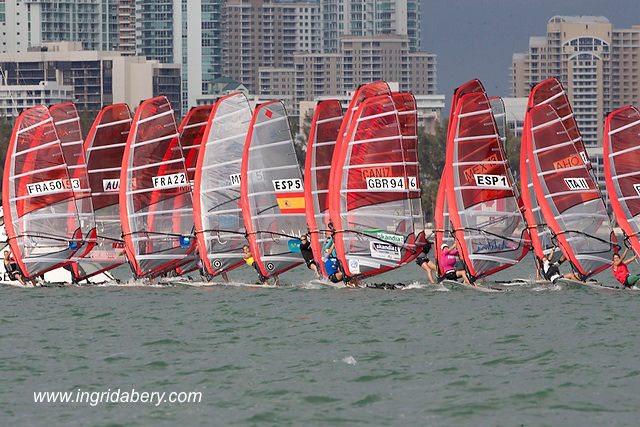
(637, 188)
(492, 181)
(569, 162)
(377, 172)
(480, 168)
(111, 185)
(354, 266)
(170, 181)
(53, 186)
(384, 251)
(576, 183)
(395, 238)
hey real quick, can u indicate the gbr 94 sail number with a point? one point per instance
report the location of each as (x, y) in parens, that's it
(398, 183)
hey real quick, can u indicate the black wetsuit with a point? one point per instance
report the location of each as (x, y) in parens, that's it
(422, 258)
(13, 270)
(307, 254)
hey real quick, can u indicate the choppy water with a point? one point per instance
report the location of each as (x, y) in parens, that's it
(325, 356)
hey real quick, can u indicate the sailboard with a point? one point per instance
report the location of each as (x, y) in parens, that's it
(67, 124)
(156, 209)
(622, 170)
(569, 198)
(104, 145)
(323, 135)
(216, 189)
(369, 203)
(272, 191)
(38, 202)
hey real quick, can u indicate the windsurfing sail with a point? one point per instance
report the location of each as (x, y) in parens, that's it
(483, 205)
(568, 196)
(444, 229)
(37, 197)
(104, 146)
(191, 131)
(365, 91)
(551, 92)
(156, 209)
(622, 170)
(272, 192)
(216, 189)
(325, 127)
(370, 204)
(67, 124)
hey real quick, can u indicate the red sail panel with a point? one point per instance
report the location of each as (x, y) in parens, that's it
(67, 124)
(370, 207)
(482, 202)
(37, 196)
(551, 92)
(271, 191)
(155, 194)
(622, 170)
(216, 187)
(539, 233)
(325, 127)
(569, 198)
(442, 221)
(191, 131)
(365, 91)
(104, 146)
(408, 119)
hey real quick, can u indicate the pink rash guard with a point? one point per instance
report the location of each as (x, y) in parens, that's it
(448, 259)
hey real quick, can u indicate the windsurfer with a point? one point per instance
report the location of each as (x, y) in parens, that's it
(13, 270)
(425, 263)
(620, 270)
(248, 258)
(448, 262)
(334, 269)
(307, 254)
(551, 270)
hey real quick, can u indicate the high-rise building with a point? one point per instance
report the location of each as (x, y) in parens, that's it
(361, 59)
(369, 18)
(32, 22)
(97, 78)
(596, 63)
(263, 33)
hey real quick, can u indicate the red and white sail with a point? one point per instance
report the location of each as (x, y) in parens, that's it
(483, 205)
(568, 196)
(216, 189)
(67, 123)
(104, 145)
(39, 209)
(323, 135)
(272, 191)
(155, 193)
(370, 202)
(622, 170)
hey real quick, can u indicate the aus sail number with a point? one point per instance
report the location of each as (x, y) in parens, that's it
(287, 184)
(53, 186)
(170, 181)
(492, 181)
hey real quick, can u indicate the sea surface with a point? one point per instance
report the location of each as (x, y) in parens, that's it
(310, 354)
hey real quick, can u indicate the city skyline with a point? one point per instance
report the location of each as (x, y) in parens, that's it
(487, 54)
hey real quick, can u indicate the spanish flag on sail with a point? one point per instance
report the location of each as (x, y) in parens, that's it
(291, 203)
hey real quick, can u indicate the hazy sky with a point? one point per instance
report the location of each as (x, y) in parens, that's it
(476, 38)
